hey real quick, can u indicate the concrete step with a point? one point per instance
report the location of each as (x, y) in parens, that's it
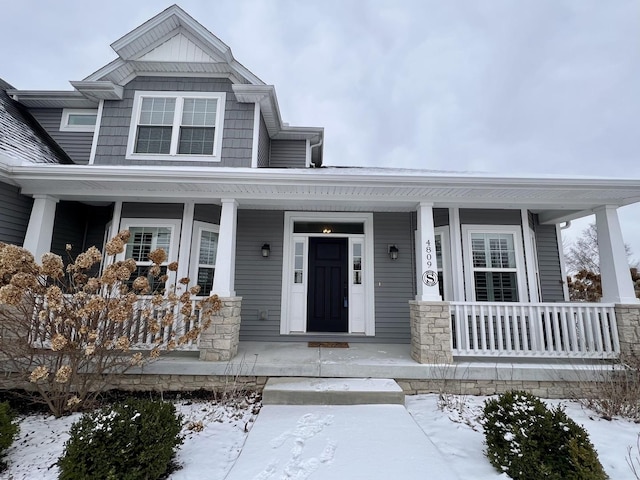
(331, 391)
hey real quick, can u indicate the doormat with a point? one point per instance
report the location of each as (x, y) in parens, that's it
(329, 344)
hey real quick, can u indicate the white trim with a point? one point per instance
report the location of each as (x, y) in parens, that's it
(39, 234)
(256, 136)
(224, 279)
(67, 112)
(173, 155)
(530, 258)
(457, 263)
(516, 231)
(286, 325)
(563, 266)
(426, 262)
(447, 272)
(96, 134)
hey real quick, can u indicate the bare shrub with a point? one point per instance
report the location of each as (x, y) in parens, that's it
(617, 391)
(633, 458)
(70, 332)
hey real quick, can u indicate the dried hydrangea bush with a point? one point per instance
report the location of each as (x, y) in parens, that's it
(70, 330)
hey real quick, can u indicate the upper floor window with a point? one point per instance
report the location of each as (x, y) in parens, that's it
(78, 120)
(167, 124)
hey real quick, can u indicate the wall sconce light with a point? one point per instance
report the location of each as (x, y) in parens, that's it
(266, 250)
(393, 252)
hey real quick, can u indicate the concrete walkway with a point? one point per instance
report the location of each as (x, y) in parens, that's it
(324, 442)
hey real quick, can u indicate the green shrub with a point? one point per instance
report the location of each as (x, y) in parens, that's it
(527, 440)
(8, 430)
(132, 440)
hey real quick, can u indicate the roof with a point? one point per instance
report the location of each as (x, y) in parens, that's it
(555, 199)
(22, 139)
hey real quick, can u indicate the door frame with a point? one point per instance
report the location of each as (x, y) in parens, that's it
(361, 320)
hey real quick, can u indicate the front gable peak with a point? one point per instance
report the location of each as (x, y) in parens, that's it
(172, 42)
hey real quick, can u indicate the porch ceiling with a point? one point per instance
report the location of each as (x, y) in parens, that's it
(326, 188)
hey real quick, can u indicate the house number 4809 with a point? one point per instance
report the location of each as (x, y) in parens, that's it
(428, 252)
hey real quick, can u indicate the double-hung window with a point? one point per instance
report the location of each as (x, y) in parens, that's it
(185, 125)
(147, 235)
(494, 263)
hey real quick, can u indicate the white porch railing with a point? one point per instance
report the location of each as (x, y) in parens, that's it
(544, 330)
(138, 329)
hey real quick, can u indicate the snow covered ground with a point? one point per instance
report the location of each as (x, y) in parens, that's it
(216, 434)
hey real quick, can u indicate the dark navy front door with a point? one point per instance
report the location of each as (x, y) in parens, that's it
(328, 294)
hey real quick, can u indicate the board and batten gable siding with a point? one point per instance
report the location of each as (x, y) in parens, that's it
(394, 282)
(258, 279)
(14, 214)
(237, 137)
(76, 144)
(551, 280)
(264, 144)
(288, 154)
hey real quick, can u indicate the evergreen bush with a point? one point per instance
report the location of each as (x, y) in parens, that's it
(527, 440)
(133, 440)
(8, 430)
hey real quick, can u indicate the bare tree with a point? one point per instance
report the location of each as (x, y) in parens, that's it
(582, 254)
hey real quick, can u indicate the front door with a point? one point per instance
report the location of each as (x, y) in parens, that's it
(328, 292)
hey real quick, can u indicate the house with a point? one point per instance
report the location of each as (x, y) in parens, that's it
(181, 144)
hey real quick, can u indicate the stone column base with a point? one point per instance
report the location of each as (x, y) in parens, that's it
(628, 319)
(219, 342)
(430, 332)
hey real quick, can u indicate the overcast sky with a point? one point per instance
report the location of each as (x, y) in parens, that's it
(518, 87)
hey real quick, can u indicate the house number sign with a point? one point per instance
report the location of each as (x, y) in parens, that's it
(429, 277)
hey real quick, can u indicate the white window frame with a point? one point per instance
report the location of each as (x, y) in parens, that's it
(67, 112)
(198, 228)
(175, 132)
(172, 254)
(515, 230)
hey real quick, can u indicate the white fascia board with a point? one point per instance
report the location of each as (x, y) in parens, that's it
(106, 70)
(99, 90)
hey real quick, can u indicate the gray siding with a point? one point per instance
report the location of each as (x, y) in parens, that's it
(152, 210)
(116, 117)
(76, 144)
(258, 279)
(549, 264)
(394, 279)
(14, 214)
(488, 216)
(288, 153)
(440, 217)
(207, 213)
(264, 144)
(79, 225)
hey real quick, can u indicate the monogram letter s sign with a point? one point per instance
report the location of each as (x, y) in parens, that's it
(430, 278)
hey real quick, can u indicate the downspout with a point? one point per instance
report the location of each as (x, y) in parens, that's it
(319, 144)
(567, 224)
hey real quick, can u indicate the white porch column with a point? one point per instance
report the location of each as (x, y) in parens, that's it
(40, 229)
(185, 243)
(617, 286)
(426, 265)
(224, 278)
(457, 266)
